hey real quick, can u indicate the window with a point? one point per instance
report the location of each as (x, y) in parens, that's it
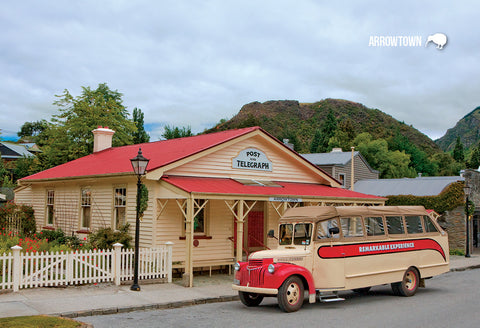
(50, 207)
(120, 204)
(86, 208)
(286, 234)
(351, 227)
(414, 224)
(429, 225)
(199, 219)
(303, 233)
(341, 178)
(395, 225)
(374, 226)
(328, 229)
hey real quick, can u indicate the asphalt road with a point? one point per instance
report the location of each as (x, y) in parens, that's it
(450, 300)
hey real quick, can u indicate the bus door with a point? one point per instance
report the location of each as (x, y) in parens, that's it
(329, 263)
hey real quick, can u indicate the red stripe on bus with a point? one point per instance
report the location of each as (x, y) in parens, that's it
(376, 248)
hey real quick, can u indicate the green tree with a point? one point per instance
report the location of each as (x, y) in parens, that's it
(458, 151)
(31, 130)
(26, 166)
(70, 136)
(172, 132)
(327, 131)
(343, 136)
(317, 137)
(447, 166)
(418, 159)
(139, 136)
(391, 164)
(474, 161)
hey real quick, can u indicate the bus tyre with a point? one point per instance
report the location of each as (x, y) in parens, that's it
(250, 299)
(290, 294)
(409, 285)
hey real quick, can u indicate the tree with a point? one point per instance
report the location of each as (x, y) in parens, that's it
(139, 136)
(458, 151)
(171, 132)
(343, 136)
(327, 131)
(317, 137)
(474, 162)
(391, 164)
(70, 136)
(31, 130)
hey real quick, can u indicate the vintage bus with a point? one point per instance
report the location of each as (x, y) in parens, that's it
(326, 249)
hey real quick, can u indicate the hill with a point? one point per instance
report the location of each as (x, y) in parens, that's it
(287, 118)
(468, 128)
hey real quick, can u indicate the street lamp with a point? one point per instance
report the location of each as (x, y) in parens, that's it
(139, 164)
(466, 190)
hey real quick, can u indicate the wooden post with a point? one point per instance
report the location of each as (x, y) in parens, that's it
(240, 221)
(117, 257)
(352, 174)
(189, 228)
(17, 267)
(169, 260)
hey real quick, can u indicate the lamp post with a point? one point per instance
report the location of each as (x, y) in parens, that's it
(466, 190)
(139, 164)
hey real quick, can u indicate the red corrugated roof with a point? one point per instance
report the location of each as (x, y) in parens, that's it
(116, 160)
(230, 186)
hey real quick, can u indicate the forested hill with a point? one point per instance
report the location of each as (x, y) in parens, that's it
(468, 129)
(299, 122)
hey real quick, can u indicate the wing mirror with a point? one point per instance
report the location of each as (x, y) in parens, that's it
(271, 234)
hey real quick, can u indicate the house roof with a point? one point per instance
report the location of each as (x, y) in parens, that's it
(420, 186)
(332, 158)
(115, 160)
(231, 186)
(13, 151)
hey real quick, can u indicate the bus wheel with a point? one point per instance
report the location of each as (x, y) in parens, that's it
(364, 290)
(290, 294)
(250, 299)
(409, 285)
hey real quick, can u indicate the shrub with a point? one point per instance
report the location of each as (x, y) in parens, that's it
(105, 238)
(26, 214)
(58, 238)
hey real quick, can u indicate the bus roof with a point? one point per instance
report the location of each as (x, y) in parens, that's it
(318, 213)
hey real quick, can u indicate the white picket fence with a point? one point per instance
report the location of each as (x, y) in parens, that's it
(30, 270)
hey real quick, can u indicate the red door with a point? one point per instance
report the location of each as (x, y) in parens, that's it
(255, 230)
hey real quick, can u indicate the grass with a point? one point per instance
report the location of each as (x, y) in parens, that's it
(37, 321)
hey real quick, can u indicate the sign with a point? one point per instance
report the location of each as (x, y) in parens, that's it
(285, 199)
(252, 159)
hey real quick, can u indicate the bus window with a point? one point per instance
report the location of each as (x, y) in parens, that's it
(414, 224)
(303, 234)
(429, 225)
(395, 225)
(286, 233)
(323, 229)
(374, 226)
(351, 227)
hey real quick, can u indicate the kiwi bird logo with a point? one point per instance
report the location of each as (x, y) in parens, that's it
(439, 39)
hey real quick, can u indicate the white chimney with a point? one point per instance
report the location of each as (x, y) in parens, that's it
(337, 150)
(102, 138)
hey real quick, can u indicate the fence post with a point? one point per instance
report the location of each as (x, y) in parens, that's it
(169, 260)
(117, 248)
(17, 267)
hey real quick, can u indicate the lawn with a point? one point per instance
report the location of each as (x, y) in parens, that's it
(38, 321)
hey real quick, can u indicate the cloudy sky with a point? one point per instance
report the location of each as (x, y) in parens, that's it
(196, 62)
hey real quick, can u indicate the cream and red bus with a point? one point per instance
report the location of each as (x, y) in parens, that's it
(326, 249)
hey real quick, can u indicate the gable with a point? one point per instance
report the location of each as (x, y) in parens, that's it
(257, 156)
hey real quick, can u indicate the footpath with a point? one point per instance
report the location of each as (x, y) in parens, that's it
(99, 299)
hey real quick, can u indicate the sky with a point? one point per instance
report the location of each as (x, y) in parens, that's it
(193, 63)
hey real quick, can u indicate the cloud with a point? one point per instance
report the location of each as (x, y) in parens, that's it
(196, 62)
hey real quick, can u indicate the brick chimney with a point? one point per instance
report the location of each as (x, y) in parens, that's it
(102, 138)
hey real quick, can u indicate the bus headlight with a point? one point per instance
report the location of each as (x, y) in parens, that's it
(271, 268)
(236, 266)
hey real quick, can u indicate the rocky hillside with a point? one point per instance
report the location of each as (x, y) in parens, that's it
(468, 128)
(285, 118)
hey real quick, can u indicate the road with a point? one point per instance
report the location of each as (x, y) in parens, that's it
(450, 300)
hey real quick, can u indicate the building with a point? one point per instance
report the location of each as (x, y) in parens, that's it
(11, 151)
(338, 164)
(452, 221)
(204, 191)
